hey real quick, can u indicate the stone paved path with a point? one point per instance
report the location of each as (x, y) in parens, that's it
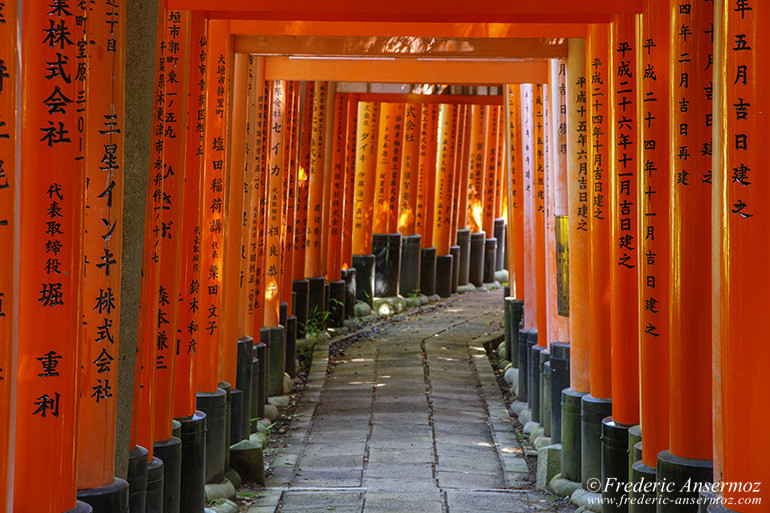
(411, 420)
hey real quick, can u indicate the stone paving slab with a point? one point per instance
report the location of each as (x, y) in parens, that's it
(411, 419)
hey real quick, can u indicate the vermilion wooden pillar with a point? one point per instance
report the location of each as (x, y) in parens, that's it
(538, 192)
(464, 167)
(50, 262)
(443, 198)
(691, 83)
(275, 171)
(622, 208)
(527, 160)
(579, 212)
(305, 148)
(350, 180)
(102, 241)
(394, 175)
(327, 155)
(259, 194)
(390, 116)
(515, 180)
(742, 183)
(337, 172)
(599, 213)
(409, 169)
(8, 258)
(366, 161)
(176, 38)
(654, 251)
(597, 405)
(313, 258)
(232, 279)
(291, 194)
(189, 319)
(476, 170)
(213, 211)
(490, 169)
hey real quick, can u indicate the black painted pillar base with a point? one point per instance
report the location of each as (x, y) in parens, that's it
(559, 381)
(349, 277)
(291, 346)
(386, 248)
(464, 241)
(301, 290)
(476, 263)
(80, 507)
(676, 472)
(499, 232)
(112, 498)
(235, 417)
(137, 478)
(410, 265)
(261, 351)
(513, 312)
(227, 387)
(283, 312)
(455, 252)
(153, 500)
(490, 259)
(593, 412)
(214, 405)
(277, 361)
(642, 478)
(524, 345)
(571, 434)
(337, 303)
(428, 271)
(444, 275)
(634, 436)
(192, 485)
(316, 300)
(170, 453)
(364, 266)
(533, 375)
(255, 378)
(243, 383)
(614, 465)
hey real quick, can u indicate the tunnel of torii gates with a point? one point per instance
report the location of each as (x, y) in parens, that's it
(179, 206)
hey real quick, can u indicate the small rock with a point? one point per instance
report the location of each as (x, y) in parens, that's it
(501, 276)
(259, 439)
(502, 351)
(271, 412)
(435, 298)
(279, 401)
(424, 299)
(263, 425)
(563, 487)
(223, 490)
(462, 289)
(362, 309)
(413, 302)
(232, 475)
(511, 376)
(224, 507)
(287, 385)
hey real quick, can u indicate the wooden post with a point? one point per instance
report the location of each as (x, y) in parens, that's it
(213, 206)
(235, 164)
(9, 259)
(579, 212)
(350, 180)
(599, 214)
(313, 260)
(337, 175)
(188, 322)
(741, 184)
(476, 170)
(51, 256)
(443, 198)
(528, 160)
(275, 170)
(366, 162)
(514, 179)
(490, 170)
(690, 180)
(409, 170)
(305, 149)
(622, 199)
(390, 116)
(538, 198)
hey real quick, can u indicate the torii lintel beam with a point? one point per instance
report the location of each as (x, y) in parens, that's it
(489, 11)
(390, 30)
(408, 70)
(518, 48)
